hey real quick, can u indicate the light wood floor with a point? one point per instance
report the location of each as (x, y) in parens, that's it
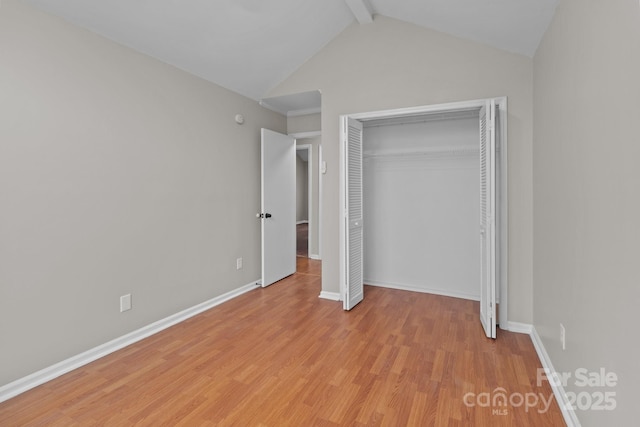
(281, 356)
(302, 240)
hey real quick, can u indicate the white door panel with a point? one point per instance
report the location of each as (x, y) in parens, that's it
(354, 288)
(278, 215)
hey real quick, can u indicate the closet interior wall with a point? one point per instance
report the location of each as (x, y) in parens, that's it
(421, 203)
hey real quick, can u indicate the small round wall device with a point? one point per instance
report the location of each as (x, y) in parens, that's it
(239, 119)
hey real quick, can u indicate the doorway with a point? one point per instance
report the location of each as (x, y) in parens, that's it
(490, 146)
(302, 111)
(310, 145)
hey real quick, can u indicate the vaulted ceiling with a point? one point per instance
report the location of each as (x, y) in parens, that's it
(250, 46)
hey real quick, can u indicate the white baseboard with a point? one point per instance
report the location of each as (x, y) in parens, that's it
(520, 328)
(333, 296)
(316, 257)
(47, 374)
(411, 288)
(569, 414)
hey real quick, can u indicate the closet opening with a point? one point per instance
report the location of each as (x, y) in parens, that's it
(424, 202)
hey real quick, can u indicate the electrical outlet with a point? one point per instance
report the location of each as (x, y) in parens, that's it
(563, 337)
(238, 263)
(125, 302)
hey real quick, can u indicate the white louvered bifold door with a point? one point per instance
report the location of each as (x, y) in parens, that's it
(353, 215)
(488, 219)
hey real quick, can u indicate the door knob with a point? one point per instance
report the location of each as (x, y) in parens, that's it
(267, 215)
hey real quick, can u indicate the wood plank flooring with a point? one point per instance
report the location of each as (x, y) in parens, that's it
(281, 356)
(302, 240)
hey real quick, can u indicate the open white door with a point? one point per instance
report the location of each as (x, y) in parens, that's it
(354, 288)
(278, 215)
(488, 219)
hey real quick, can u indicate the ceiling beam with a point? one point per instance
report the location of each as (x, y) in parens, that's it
(362, 10)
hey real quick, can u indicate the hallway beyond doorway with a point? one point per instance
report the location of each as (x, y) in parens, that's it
(302, 240)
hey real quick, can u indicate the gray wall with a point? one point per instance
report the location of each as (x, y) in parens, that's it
(587, 196)
(392, 64)
(118, 174)
(306, 123)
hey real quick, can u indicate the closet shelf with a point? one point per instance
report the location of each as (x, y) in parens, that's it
(460, 151)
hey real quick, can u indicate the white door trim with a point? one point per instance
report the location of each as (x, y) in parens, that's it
(503, 211)
(425, 109)
(321, 172)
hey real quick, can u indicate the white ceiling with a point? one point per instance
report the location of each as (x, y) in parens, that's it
(250, 46)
